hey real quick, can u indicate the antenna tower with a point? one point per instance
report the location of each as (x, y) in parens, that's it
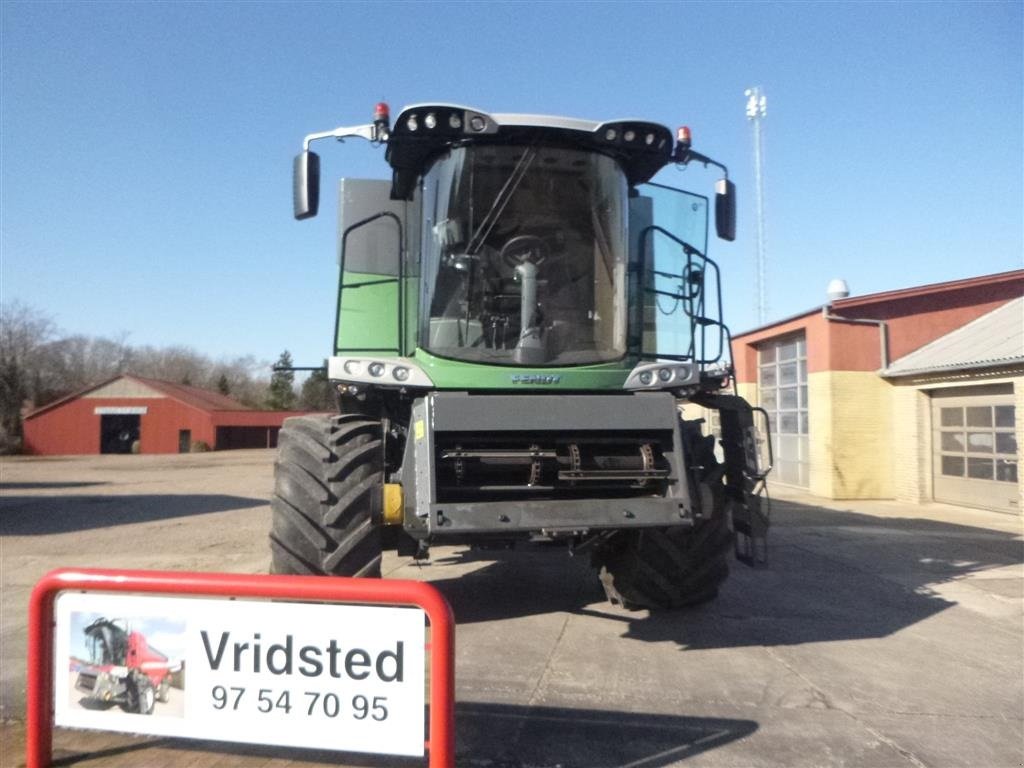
(757, 108)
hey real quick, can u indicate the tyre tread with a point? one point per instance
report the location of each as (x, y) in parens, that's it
(324, 514)
(668, 568)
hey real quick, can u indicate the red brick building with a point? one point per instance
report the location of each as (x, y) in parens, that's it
(131, 414)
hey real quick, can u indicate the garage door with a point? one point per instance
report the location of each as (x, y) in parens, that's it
(975, 448)
(782, 384)
(229, 438)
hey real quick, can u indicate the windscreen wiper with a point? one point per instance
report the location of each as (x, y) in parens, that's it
(501, 201)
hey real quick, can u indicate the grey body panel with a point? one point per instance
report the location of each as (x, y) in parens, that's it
(460, 412)
(557, 516)
(373, 248)
(417, 473)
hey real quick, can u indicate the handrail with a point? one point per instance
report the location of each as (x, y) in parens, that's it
(693, 312)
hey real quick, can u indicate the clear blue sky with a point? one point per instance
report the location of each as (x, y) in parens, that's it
(147, 147)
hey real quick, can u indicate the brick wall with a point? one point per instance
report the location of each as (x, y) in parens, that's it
(850, 417)
(820, 432)
(911, 444)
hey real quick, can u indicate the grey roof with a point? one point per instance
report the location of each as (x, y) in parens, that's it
(994, 339)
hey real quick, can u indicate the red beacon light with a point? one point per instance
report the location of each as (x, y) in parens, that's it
(381, 121)
(684, 137)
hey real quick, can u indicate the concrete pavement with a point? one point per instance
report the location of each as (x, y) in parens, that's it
(880, 634)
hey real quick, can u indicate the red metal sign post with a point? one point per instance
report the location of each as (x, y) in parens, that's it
(39, 694)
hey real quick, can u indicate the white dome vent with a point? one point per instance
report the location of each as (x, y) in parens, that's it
(837, 289)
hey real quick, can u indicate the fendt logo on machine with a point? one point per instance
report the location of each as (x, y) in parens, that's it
(535, 378)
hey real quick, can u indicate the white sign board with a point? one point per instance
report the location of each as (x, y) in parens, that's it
(121, 410)
(331, 676)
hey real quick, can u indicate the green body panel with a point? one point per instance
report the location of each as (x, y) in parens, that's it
(368, 313)
(455, 374)
(368, 321)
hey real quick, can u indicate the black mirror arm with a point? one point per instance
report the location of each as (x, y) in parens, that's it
(684, 156)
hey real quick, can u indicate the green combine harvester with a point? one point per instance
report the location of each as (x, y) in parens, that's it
(521, 316)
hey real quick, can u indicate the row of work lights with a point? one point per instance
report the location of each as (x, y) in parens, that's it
(376, 369)
(629, 135)
(450, 120)
(661, 374)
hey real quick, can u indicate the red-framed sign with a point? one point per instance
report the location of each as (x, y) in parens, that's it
(292, 660)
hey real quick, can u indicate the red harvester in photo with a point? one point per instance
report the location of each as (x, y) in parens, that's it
(123, 668)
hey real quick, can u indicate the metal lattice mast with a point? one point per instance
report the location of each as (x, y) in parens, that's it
(757, 108)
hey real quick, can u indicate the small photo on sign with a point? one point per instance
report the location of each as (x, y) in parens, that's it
(130, 664)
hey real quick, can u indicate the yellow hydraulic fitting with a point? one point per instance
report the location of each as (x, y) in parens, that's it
(394, 501)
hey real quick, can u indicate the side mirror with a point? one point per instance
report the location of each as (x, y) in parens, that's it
(306, 185)
(725, 209)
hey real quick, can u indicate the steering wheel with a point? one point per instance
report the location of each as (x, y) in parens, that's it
(523, 248)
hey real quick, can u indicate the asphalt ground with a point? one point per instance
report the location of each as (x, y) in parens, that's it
(880, 634)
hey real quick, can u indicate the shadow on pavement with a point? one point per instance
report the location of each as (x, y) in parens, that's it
(30, 486)
(45, 515)
(501, 736)
(87, 702)
(505, 736)
(831, 575)
(63, 757)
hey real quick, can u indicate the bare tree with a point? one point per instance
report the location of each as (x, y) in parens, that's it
(24, 333)
(74, 362)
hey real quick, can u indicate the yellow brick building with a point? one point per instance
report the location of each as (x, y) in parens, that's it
(914, 394)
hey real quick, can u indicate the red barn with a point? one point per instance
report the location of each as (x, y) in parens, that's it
(130, 414)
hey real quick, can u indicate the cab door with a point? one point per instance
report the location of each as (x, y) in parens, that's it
(677, 314)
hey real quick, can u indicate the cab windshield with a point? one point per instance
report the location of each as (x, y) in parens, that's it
(524, 256)
(106, 642)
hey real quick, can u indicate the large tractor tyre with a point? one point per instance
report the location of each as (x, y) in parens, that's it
(668, 568)
(327, 497)
(141, 695)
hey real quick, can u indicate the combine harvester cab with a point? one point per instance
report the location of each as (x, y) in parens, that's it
(123, 668)
(521, 315)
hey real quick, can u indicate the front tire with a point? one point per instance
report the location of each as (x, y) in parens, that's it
(669, 568)
(141, 695)
(327, 490)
